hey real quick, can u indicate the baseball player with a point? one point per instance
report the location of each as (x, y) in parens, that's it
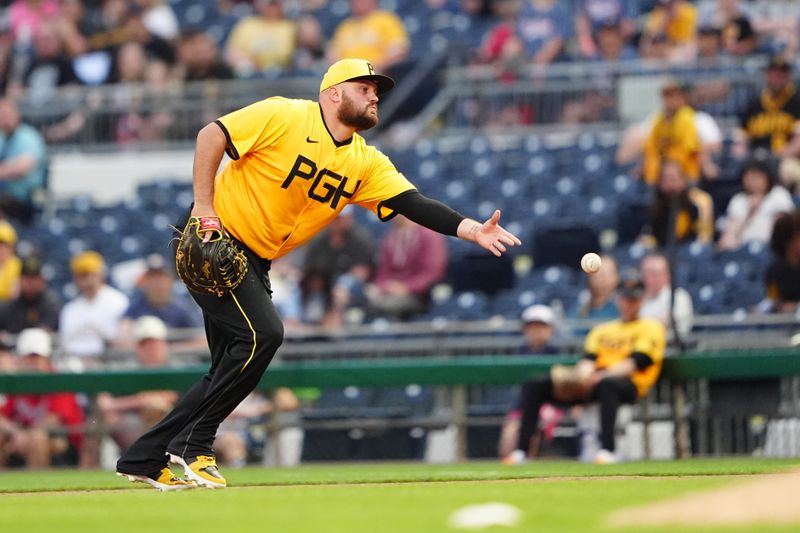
(622, 361)
(295, 164)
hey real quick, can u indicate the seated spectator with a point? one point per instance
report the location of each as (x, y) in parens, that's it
(156, 297)
(538, 327)
(593, 16)
(10, 265)
(23, 163)
(659, 302)
(343, 257)
(127, 417)
(631, 147)
(544, 27)
(612, 46)
(240, 438)
(309, 55)
(50, 68)
(739, 37)
(693, 209)
(752, 212)
(783, 274)
(36, 306)
(677, 20)
(199, 58)
(412, 259)
(621, 363)
(90, 322)
(263, 42)
(709, 45)
(39, 430)
(673, 135)
(770, 121)
(370, 33)
(596, 301)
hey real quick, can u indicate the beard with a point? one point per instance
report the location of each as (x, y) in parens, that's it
(360, 120)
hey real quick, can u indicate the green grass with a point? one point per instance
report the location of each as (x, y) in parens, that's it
(553, 496)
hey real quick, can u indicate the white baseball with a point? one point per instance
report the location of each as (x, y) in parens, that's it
(591, 262)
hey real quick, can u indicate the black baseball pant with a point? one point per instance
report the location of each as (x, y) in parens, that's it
(610, 393)
(243, 332)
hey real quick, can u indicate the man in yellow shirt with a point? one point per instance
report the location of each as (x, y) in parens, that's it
(621, 363)
(295, 164)
(372, 34)
(262, 42)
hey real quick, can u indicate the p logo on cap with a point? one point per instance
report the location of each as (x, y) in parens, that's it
(352, 70)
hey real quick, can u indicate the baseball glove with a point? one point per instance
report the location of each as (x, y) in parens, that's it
(569, 384)
(215, 267)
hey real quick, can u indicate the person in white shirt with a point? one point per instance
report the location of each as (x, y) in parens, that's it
(657, 296)
(90, 322)
(752, 212)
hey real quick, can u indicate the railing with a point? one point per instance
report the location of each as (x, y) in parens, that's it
(591, 94)
(685, 381)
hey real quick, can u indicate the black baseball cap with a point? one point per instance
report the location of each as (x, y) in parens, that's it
(31, 266)
(631, 284)
(778, 62)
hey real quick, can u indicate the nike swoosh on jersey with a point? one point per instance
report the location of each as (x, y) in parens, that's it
(310, 140)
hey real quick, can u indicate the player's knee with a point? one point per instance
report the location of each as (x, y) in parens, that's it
(269, 335)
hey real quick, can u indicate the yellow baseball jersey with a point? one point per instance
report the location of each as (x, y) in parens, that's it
(612, 342)
(370, 37)
(288, 177)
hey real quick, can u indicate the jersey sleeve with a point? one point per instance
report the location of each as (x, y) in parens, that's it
(252, 127)
(381, 181)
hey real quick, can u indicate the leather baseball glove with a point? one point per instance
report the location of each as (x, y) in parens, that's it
(569, 384)
(215, 267)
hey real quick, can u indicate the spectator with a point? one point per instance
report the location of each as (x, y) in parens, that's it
(752, 212)
(693, 209)
(596, 301)
(36, 306)
(677, 20)
(127, 417)
(592, 16)
(263, 42)
(709, 45)
(23, 163)
(538, 327)
(90, 322)
(10, 265)
(156, 297)
(544, 26)
(343, 256)
(27, 16)
(309, 55)
(241, 437)
(621, 363)
(372, 34)
(286, 294)
(659, 302)
(50, 67)
(771, 120)
(158, 18)
(739, 37)
(633, 141)
(789, 175)
(673, 135)
(412, 259)
(39, 430)
(783, 274)
(612, 46)
(199, 58)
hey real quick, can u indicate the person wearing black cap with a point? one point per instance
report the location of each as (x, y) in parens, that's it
(622, 361)
(771, 120)
(295, 165)
(36, 306)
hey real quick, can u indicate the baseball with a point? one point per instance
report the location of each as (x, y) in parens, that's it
(590, 263)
